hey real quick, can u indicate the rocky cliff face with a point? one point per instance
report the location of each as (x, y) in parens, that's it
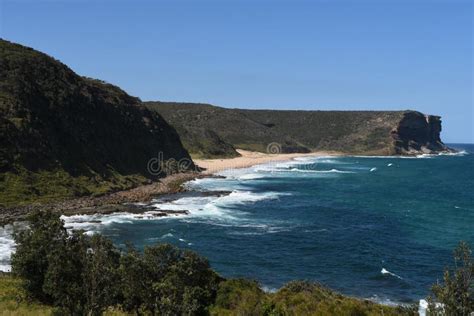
(351, 132)
(62, 135)
(418, 133)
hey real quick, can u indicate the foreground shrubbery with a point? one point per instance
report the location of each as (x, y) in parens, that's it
(244, 297)
(455, 296)
(86, 275)
(79, 274)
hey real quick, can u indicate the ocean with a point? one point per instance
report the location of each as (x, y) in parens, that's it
(381, 228)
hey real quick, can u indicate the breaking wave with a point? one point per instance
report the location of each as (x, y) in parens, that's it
(386, 272)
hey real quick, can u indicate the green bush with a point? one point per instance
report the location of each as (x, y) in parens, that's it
(456, 295)
(86, 275)
(240, 297)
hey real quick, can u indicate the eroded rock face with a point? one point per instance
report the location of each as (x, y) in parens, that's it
(418, 133)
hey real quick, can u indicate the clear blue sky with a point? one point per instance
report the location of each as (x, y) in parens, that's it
(267, 54)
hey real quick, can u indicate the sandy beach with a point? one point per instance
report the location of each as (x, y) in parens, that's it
(251, 158)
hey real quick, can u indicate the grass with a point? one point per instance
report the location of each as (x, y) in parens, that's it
(299, 298)
(14, 302)
(24, 187)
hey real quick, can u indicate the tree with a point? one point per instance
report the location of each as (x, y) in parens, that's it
(187, 286)
(64, 277)
(167, 280)
(456, 295)
(85, 275)
(73, 271)
(134, 281)
(100, 274)
(44, 234)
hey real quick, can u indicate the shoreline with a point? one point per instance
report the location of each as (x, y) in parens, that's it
(114, 202)
(127, 201)
(249, 159)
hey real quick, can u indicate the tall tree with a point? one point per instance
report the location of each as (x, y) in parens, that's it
(34, 244)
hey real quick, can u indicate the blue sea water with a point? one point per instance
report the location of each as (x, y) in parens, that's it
(381, 228)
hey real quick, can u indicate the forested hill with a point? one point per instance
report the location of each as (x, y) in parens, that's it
(63, 135)
(211, 131)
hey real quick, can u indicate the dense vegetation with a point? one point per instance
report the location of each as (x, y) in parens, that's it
(362, 132)
(75, 274)
(63, 135)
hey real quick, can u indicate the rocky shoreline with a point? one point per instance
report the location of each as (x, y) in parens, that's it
(121, 201)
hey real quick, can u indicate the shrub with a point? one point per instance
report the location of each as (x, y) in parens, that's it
(456, 295)
(241, 296)
(178, 282)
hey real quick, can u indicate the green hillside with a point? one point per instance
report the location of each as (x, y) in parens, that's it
(63, 135)
(353, 132)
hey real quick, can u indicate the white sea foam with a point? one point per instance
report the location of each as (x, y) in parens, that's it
(269, 289)
(384, 301)
(458, 153)
(7, 246)
(390, 164)
(252, 176)
(421, 156)
(269, 171)
(93, 223)
(393, 157)
(321, 171)
(385, 271)
(423, 307)
(242, 197)
(373, 169)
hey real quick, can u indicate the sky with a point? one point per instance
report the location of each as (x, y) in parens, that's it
(287, 54)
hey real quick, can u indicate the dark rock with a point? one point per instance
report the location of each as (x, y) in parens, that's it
(418, 133)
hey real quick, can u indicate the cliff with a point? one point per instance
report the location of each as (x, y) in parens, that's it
(417, 133)
(351, 132)
(63, 135)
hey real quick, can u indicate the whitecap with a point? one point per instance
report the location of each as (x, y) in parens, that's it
(251, 176)
(323, 171)
(385, 271)
(244, 197)
(457, 153)
(93, 223)
(373, 169)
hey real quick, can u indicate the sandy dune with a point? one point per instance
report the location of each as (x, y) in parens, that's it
(250, 158)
